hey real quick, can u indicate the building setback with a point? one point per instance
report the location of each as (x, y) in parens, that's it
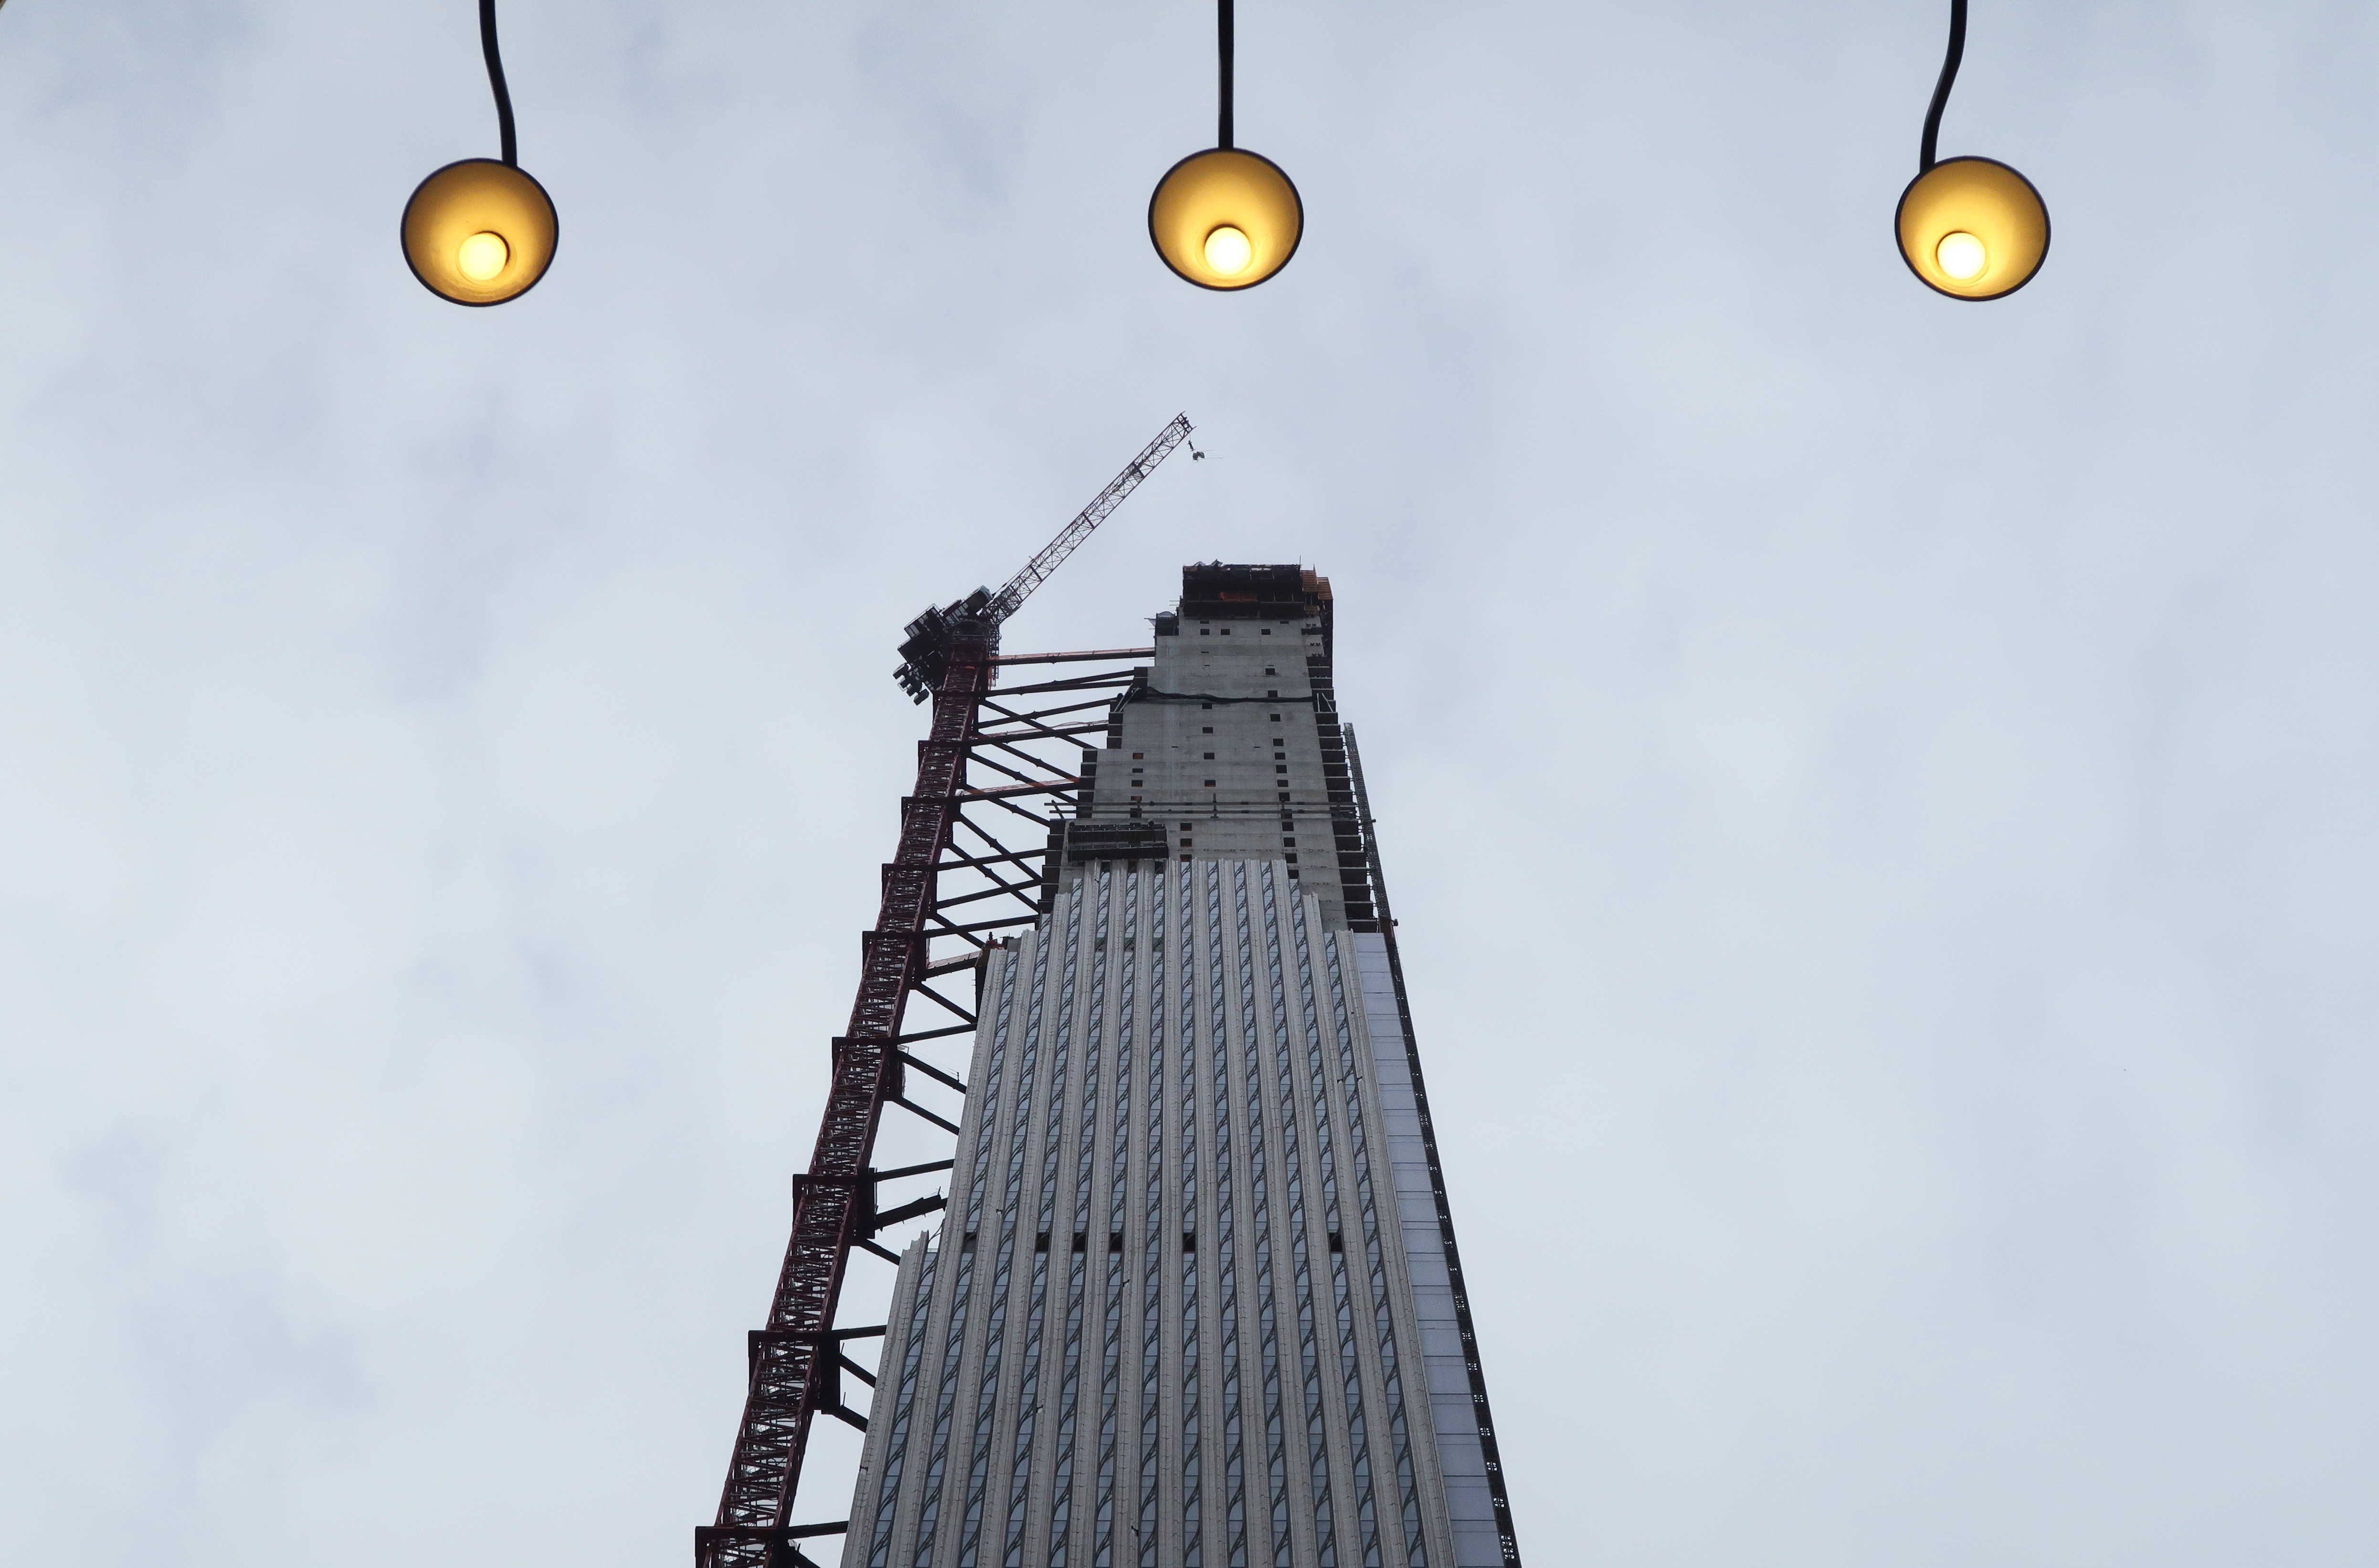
(1196, 1301)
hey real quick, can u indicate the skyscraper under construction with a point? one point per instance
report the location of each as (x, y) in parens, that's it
(1193, 1302)
(1194, 1299)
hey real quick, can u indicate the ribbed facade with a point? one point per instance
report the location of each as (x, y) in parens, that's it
(1191, 1304)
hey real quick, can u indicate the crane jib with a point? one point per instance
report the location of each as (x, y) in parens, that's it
(1037, 570)
(926, 655)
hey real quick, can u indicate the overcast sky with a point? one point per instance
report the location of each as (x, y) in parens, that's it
(1878, 789)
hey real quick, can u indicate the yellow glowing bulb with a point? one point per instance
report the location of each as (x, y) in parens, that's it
(1961, 255)
(1228, 252)
(482, 256)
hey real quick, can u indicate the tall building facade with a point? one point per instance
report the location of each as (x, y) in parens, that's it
(1196, 1302)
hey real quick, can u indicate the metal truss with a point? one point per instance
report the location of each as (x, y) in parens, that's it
(1053, 555)
(998, 772)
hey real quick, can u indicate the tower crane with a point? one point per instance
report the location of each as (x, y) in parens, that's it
(925, 655)
(795, 1365)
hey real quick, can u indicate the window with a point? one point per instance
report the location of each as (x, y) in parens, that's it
(1267, 693)
(1291, 843)
(1209, 757)
(1210, 705)
(1210, 783)
(1203, 632)
(1185, 827)
(1137, 755)
(1275, 718)
(1185, 859)
(1208, 729)
(1292, 857)
(1270, 670)
(1267, 631)
(1185, 843)
(1226, 630)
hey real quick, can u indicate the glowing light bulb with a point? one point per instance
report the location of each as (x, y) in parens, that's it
(482, 256)
(1225, 219)
(1228, 252)
(1961, 256)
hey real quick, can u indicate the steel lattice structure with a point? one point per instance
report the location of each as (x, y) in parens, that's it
(951, 656)
(955, 882)
(1053, 555)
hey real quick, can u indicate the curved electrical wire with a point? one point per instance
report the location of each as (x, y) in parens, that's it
(503, 94)
(1925, 158)
(1226, 44)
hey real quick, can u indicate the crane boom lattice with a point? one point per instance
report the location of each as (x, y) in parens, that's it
(1036, 572)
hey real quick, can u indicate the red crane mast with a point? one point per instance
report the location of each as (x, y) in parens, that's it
(951, 656)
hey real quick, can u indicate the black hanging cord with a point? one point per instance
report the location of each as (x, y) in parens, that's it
(1223, 39)
(1925, 159)
(503, 93)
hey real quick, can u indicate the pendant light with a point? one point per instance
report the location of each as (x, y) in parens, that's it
(1971, 228)
(1225, 218)
(481, 232)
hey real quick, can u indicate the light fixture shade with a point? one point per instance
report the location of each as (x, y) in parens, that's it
(1985, 199)
(474, 197)
(1223, 188)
